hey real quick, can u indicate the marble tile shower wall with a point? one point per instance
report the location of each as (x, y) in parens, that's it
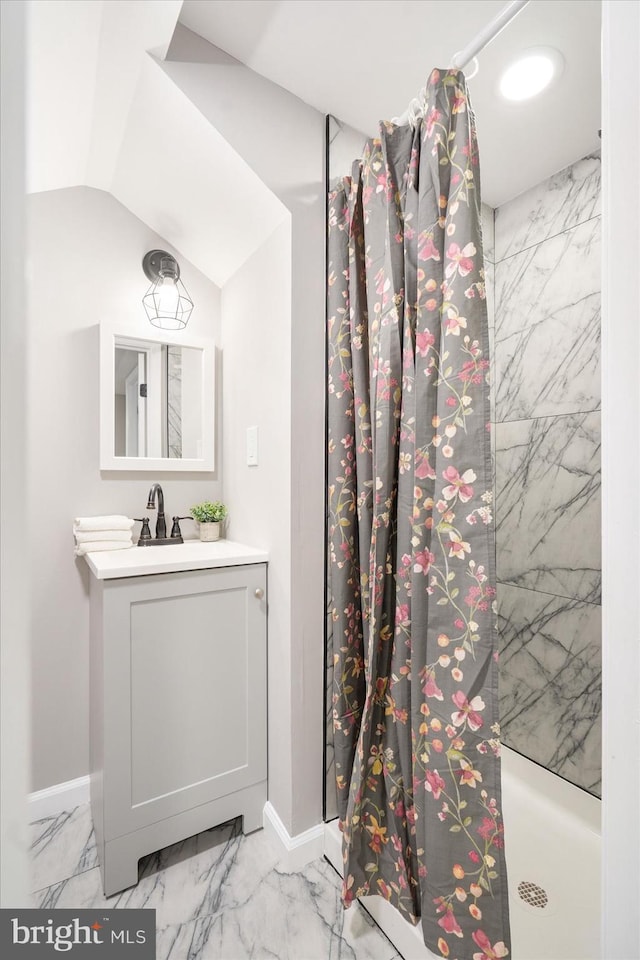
(543, 273)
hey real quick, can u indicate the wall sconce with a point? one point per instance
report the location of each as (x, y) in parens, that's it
(167, 303)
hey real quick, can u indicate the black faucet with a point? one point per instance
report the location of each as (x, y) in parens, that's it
(145, 539)
(161, 526)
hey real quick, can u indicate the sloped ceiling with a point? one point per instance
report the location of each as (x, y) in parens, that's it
(102, 113)
(182, 178)
(84, 59)
(363, 61)
(61, 69)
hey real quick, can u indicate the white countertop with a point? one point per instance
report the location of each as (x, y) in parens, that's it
(172, 558)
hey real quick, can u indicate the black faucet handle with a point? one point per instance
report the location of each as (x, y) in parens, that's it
(175, 529)
(145, 533)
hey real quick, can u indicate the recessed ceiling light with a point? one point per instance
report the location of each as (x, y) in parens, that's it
(531, 73)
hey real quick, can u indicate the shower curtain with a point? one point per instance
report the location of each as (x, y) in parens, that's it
(411, 543)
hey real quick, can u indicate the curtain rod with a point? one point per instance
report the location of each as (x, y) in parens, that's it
(490, 32)
(462, 57)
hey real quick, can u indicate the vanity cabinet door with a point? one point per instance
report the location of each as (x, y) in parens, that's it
(185, 692)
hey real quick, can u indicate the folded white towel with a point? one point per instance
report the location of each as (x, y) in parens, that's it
(94, 546)
(89, 535)
(102, 523)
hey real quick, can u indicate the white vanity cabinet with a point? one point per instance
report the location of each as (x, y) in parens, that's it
(178, 699)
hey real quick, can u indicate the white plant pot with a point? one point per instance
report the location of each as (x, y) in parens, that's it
(210, 531)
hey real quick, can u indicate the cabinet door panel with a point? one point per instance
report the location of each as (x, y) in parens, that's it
(185, 691)
(189, 690)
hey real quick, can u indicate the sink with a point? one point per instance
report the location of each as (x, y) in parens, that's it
(172, 558)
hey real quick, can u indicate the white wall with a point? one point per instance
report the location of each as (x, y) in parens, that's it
(14, 604)
(282, 140)
(621, 458)
(256, 360)
(84, 253)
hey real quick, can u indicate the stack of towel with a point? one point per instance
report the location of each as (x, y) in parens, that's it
(102, 533)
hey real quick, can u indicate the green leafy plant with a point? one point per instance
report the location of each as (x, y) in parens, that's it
(208, 512)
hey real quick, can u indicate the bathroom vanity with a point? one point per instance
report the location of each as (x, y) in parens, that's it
(178, 697)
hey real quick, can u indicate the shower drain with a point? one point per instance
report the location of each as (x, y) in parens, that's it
(532, 894)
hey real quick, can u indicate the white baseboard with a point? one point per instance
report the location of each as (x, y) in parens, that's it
(295, 852)
(54, 800)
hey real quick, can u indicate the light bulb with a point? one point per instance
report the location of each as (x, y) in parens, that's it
(168, 297)
(530, 74)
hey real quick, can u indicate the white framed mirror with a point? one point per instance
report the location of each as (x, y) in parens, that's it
(157, 401)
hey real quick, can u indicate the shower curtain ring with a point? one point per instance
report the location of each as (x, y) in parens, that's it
(473, 65)
(476, 66)
(415, 112)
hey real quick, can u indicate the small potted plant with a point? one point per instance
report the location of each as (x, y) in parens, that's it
(209, 515)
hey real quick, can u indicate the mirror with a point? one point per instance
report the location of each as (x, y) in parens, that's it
(157, 396)
(157, 403)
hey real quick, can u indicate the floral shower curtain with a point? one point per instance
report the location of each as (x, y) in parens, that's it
(411, 543)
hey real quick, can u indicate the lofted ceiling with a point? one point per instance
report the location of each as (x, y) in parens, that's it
(363, 60)
(103, 112)
(83, 65)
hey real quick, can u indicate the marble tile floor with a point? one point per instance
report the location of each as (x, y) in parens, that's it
(218, 895)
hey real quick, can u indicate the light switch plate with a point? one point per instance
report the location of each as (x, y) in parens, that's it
(252, 446)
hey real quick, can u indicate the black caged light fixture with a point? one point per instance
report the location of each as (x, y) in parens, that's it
(167, 303)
